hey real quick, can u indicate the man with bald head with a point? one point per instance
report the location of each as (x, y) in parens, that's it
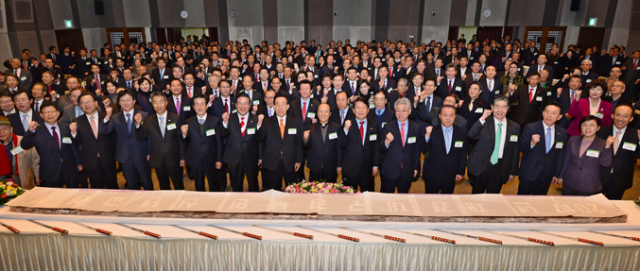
(321, 143)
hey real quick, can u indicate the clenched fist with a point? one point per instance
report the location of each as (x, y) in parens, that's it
(185, 129)
(389, 139)
(428, 131)
(485, 114)
(32, 126)
(347, 124)
(260, 119)
(306, 135)
(73, 127)
(108, 110)
(225, 117)
(534, 140)
(138, 119)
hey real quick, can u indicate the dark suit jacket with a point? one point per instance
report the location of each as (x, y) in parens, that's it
(534, 68)
(295, 110)
(479, 105)
(398, 157)
(168, 148)
(324, 155)
(387, 116)
(25, 79)
(16, 122)
(490, 94)
(289, 148)
(335, 115)
(127, 145)
(217, 107)
(442, 166)
(51, 169)
(357, 155)
(421, 112)
(582, 173)
(239, 147)
(535, 160)
(204, 144)
(347, 88)
(480, 157)
(624, 161)
(391, 85)
(92, 146)
(527, 112)
(458, 87)
(166, 77)
(256, 97)
(186, 108)
(92, 86)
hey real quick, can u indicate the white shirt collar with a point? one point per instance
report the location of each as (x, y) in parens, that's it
(95, 116)
(203, 118)
(621, 131)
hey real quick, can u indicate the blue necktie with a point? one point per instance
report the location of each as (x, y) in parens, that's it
(129, 122)
(547, 139)
(378, 112)
(428, 104)
(447, 139)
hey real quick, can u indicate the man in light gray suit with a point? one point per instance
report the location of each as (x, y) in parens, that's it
(24, 76)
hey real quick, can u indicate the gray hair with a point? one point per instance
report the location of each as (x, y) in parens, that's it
(588, 61)
(400, 101)
(501, 98)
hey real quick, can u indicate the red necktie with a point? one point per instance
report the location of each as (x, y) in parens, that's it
(242, 125)
(531, 95)
(264, 86)
(390, 71)
(189, 89)
(635, 64)
(226, 107)
(55, 136)
(25, 66)
(304, 111)
(16, 72)
(449, 86)
(402, 133)
(362, 130)
(98, 86)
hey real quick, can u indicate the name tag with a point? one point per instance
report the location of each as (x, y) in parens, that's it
(311, 115)
(638, 68)
(626, 146)
(479, 110)
(23, 78)
(458, 88)
(88, 63)
(548, 93)
(390, 89)
(292, 131)
(497, 92)
(333, 136)
(66, 140)
(186, 108)
(599, 115)
(588, 81)
(373, 137)
(411, 140)
(371, 106)
(555, 62)
(513, 138)
(166, 77)
(458, 144)
(311, 95)
(592, 153)
(539, 99)
(211, 132)
(171, 126)
(16, 150)
(617, 62)
(559, 145)
(383, 124)
(315, 76)
(518, 69)
(251, 131)
(256, 102)
(234, 111)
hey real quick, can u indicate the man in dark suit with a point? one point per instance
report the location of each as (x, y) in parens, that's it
(588, 74)
(53, 55)
(341, 112)
(446, 161)
(58, 157)
(256, 97)
(473, 106)
(24, 76)
(531, 99)
(161, 74)
(381, 114)
(225, 103)
(451, 84)
(305, 108)
(203, 134)
(566, 97)
(179, 103)
(167, 151)
(401, 150)
(611, 60)
(97, 155)
(494, 160)
(283, 153)
(131, 154)
(384, 82)
(96, 81)
(322, 146)
(361, 149)
(542, 148)
(351, 86)
(24, 115)
(617, 178)
(427, 102)
(490, 85)
(242, 151)
(541, 65)
(401, 91)
(263, 81)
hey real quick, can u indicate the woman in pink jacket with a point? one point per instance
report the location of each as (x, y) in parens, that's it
(592, 105)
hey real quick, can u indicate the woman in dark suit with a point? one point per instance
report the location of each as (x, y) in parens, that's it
(583, 157)
(143, 96)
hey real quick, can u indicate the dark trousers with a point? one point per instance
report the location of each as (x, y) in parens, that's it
(571, 192)
(82, 179)
(330, 177)
(611, 189)
(166, 171)
(275, 176)
(402, 182)
(440, 186)
(237, 174)
(488, 180)
(103, 175)
(221, 176)
(537, 186)
(364, 179)
(199, 173)
(136, 173)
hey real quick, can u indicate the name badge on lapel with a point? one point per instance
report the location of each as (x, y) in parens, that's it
(256, 102)
(186, 108)
(66, 140)
(311, 115)
(251, 131)
(599, 115)
(171, 126)
(592, 153)
(458, 144)
(211, 132)
(458, 88)
(559, 145)
(292, 131)
(629, 146)
(539, 99)
(373, 137)
(411, 140)
(166, 77)
(333, 136)
(479, 110)
(513, 138)
(548, 93)
(16, 150)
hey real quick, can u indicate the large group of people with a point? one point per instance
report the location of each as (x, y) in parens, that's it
(226, 112)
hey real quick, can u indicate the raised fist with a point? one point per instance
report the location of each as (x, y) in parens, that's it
(535, 139)
(347, 124)
(225, 117)
(389, 139)
(138, 118)
(428, 131)
(106, 102)
(73, 127)
(32, 126)
(184, 128)
(109, 111)
(306, 135)
(260, 119)
(486, 114)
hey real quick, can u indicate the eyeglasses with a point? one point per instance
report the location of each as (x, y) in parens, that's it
(50, 112)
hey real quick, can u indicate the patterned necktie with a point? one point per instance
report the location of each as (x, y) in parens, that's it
(531, 95)
(616, 143)
(428, 103)
(242, 126)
